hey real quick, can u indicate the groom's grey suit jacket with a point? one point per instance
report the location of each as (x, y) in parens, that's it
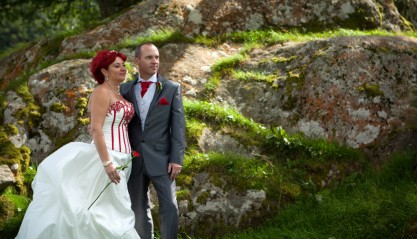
(163, 138)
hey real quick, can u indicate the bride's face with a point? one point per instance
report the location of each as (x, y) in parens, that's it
(117, 70)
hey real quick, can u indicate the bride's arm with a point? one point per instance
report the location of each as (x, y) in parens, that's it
(99, 103)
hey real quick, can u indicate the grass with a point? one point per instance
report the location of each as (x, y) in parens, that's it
(376, 204)
(12, 207)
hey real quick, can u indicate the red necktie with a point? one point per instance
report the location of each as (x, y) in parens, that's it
(145, 86)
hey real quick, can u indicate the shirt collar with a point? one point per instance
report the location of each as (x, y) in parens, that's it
(152, 79)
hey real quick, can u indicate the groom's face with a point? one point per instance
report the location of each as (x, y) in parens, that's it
(148, 61)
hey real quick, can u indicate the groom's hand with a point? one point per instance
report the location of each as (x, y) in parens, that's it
(173, 170)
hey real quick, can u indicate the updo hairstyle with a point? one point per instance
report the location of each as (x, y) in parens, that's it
(102, 60)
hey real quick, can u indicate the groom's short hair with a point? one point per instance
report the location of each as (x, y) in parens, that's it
(138, 50)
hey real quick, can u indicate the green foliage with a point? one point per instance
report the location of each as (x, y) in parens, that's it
(257, 37)
(254, 76)
(159, 38)
(183, 194)
(24, 21)
(29, 175)
(193, 132)
(218, 115)
(229, 62)
(373, 205)
(131, 71)
(12, 209)
(297, 146)
(211, 85)
(239, 173)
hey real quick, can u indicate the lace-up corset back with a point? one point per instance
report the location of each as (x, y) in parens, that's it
(115, 126)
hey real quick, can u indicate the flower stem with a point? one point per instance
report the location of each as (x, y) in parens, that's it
(99, 195)
(119, 168)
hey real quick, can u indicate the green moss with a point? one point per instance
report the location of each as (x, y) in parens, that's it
(211, 86)
(249, 76)
(81, 106)
(9, 154)
(83, 121)
(12, 209)
(218, 182)
(294, 81)
(218, 115)
(29, 175)
(295, 76)
(30, 115)
(25, 159)
(383, 49)
(237, 172)
(10, 129)
(193, 132)
(203, 197)
(6, 208)
(183, 194)
(371, 90)
(58, 107)
(184, 179)
(279, 60)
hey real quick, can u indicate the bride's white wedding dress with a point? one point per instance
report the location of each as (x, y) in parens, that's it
(70, 179)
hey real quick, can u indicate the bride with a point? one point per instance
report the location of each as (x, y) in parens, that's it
(69, 181)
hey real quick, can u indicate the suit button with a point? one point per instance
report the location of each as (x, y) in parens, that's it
(143, 141)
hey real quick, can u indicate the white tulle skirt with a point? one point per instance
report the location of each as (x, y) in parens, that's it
(66, 184)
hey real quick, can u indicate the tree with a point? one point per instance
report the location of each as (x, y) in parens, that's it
(27, 20)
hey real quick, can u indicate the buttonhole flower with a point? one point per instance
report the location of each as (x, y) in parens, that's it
(119, 168)
(159, 86)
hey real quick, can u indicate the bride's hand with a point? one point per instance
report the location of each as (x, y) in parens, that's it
(111, 171)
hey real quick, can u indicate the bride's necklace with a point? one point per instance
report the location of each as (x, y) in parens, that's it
(111, 88)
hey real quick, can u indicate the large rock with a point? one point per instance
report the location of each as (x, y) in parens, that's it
(354, 90)
(6, 177)
(15, 103)
(214, 17)
(58, 89)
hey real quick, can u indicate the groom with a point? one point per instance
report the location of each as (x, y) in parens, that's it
(157, 131)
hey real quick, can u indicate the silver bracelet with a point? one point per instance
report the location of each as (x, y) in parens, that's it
(107, 163)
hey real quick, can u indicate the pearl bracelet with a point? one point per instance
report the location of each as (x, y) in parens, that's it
(107, 163)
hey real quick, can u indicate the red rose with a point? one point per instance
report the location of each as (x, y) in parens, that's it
(135, 154)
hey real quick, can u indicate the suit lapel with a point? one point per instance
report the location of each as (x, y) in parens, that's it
(157, 93)
(132, 97)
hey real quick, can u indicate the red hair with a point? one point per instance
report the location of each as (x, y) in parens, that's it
(102, 60)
